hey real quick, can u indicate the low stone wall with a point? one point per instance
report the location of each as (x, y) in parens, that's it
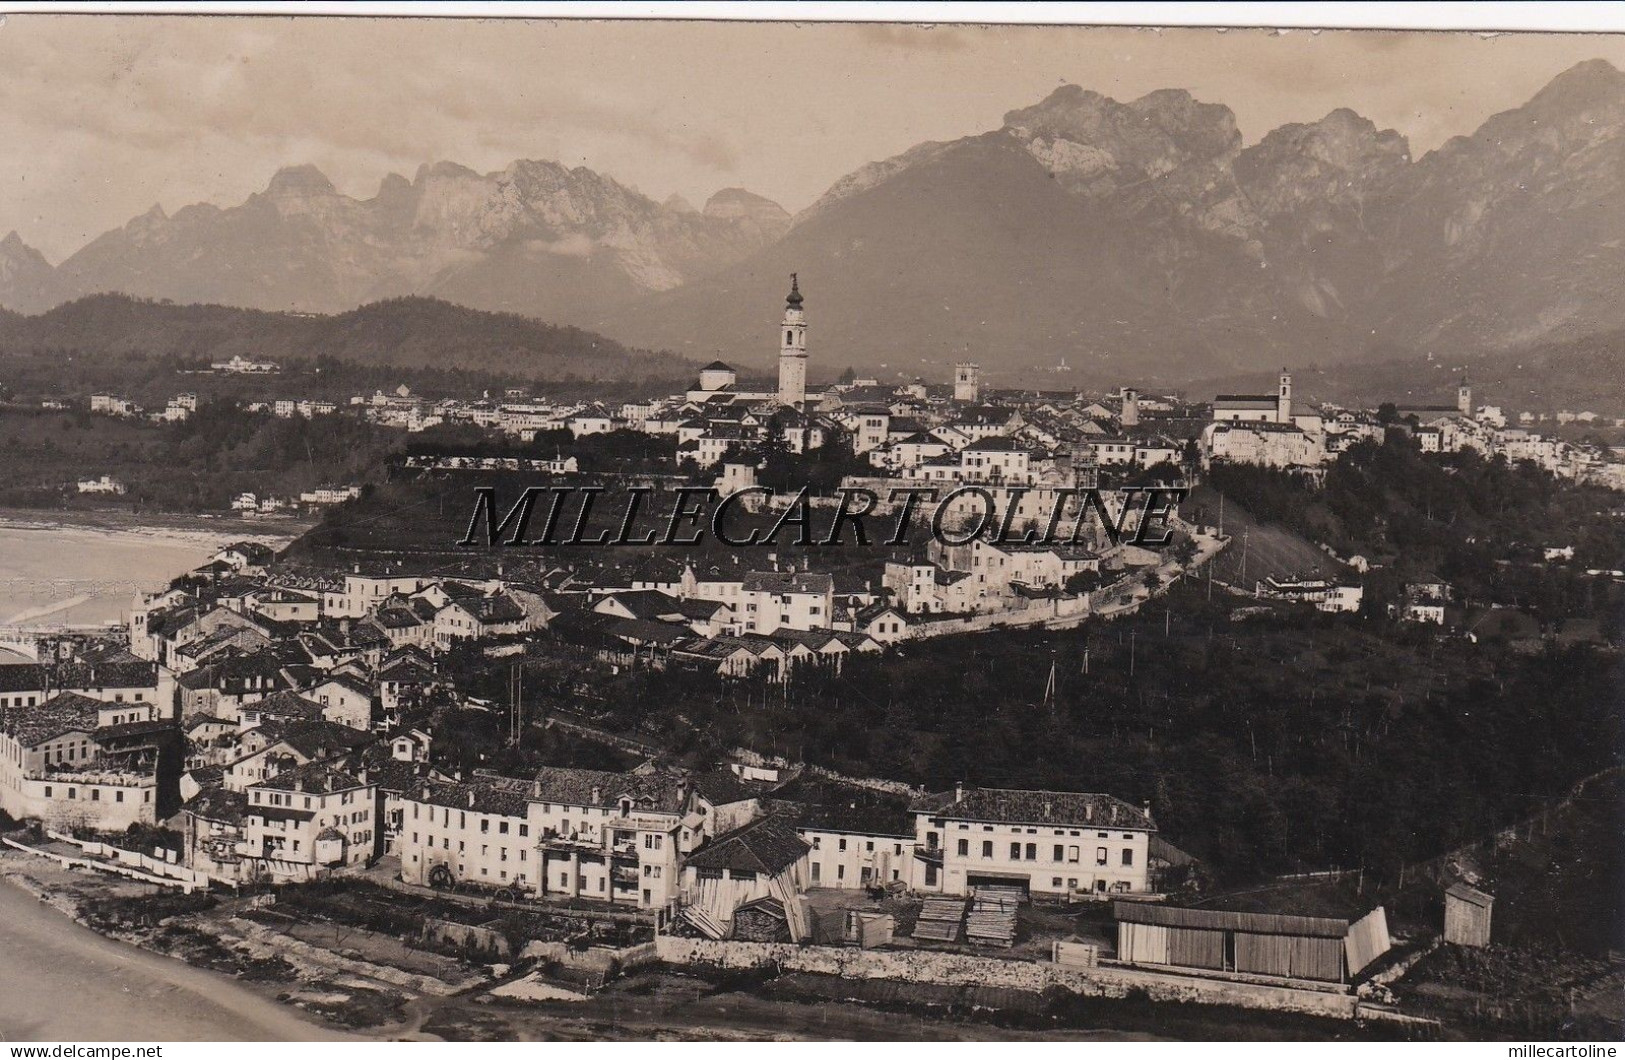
(135, 859)
(467, 937)
(599, 959)
(101, 865)
(957, 969)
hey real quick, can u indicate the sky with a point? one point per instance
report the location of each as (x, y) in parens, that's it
(101, 117)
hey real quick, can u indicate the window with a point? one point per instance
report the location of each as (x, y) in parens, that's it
(1073, 854)
(987, 848)
(816, 874)
(1060, 852)
(1128, 857)
(843, 844)
(1032, 851)
(840, 872)
(964, 847)
(1015, 851)
(1100, 855)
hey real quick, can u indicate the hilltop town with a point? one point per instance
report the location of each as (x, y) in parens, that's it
(542, 740)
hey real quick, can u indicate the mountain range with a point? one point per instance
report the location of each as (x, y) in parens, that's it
(1140, 240)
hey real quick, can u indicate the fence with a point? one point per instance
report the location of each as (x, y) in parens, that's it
(187, 886)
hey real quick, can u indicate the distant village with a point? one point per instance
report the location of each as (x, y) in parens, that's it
(923, 432)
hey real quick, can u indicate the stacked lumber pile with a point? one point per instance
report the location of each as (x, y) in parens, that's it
(940, 919)
(992, 919)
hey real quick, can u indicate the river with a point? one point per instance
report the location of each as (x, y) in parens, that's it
(63, 982)
(64, 573)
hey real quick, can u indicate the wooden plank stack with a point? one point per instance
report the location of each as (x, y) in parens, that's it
(992, 919)
(941, 918)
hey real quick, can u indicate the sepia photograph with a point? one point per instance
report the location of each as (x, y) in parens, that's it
(770, 524)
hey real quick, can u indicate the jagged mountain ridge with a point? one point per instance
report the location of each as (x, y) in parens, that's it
(1146, 234)
(536, 237)
(1143, 237)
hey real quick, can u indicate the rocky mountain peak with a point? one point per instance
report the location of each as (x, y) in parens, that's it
(733, 204)
(1584, 86)
(299, 181)
(15, 253)
(677, 204)
(393, 186)
(442, 170)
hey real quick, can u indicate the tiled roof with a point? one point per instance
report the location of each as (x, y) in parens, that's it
(317, 778)
(503, 796)
(218, 804)
(661, 792)
(768, 844)
(62, 713)
(788, 582)
(133, 673)
(856, 817)
(22, 677)
(1070, 809)
(319, 739)
(722, 786)
(285, 705)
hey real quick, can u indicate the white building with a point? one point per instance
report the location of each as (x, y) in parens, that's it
(1050, 842)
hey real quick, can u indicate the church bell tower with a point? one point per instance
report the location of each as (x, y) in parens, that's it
(793, 350)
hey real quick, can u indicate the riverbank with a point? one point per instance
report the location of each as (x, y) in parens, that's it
(66, 982)
(81, 568)
(282, 528)
(239, 961)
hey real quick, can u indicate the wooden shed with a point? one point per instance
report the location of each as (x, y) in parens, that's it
(1467, 915)
(1294, 947)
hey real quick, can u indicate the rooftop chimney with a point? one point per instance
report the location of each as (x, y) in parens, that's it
(471, 798)
(959, 791)
(597, 794)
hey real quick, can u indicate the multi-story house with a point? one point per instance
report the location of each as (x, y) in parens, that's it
(307, 821)
(66, 762)
(1055, 843)
(576, 833)
(774, 599)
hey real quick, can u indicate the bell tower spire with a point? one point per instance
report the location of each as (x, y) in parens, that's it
(793, 349)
